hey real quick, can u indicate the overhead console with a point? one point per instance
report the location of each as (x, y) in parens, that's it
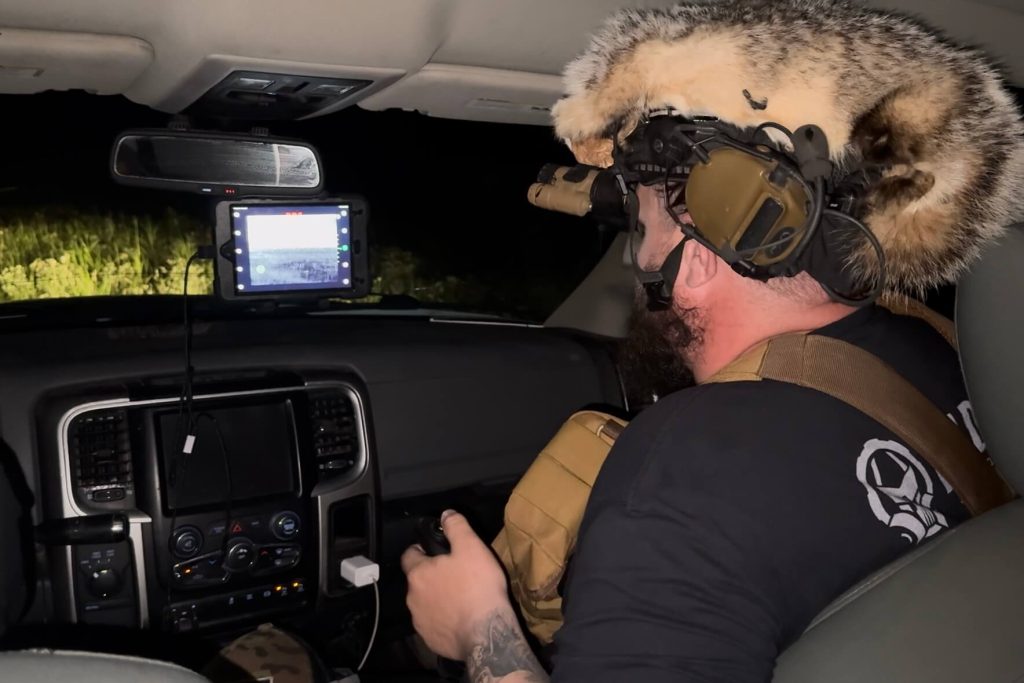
(252, 89)
(242, 507)
(262, 95)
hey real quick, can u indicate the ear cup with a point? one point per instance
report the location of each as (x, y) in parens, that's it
(748, 208)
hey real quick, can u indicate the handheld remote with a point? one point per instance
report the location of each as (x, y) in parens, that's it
(431, 536)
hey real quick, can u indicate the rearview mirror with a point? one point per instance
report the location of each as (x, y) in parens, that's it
(216, 163)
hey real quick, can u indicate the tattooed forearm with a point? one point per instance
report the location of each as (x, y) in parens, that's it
(500, 653)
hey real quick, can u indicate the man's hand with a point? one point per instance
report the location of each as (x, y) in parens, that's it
(459, 604)
(450, 596)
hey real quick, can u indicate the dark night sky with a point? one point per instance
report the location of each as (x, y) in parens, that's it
(453, 192)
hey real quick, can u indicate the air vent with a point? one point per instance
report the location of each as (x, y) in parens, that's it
(100, 452)
(335, 433)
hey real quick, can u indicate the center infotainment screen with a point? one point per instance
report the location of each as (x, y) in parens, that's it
(273, 249)
(257, 460)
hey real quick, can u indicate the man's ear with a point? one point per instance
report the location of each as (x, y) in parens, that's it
(699, 265)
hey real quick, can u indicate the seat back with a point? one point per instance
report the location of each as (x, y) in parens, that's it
(953, 610)
(88, 667)
(990, 329)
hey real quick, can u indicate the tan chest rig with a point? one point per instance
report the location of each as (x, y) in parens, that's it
(543, 515)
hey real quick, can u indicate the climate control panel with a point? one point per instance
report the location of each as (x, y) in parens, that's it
(220, 551)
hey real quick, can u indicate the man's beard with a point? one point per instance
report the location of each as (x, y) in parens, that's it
(656, 356)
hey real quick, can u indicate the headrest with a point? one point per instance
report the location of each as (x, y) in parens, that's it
(990, 330)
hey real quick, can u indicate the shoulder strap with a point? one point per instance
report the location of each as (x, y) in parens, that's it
(863, 381)
(900, 304)
(746, 367)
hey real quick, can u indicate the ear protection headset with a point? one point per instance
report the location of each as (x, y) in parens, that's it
(766, 212)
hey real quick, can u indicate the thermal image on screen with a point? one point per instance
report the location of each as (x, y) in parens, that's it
(286, 248)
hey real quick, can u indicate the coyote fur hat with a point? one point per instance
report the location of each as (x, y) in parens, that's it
(885, 89)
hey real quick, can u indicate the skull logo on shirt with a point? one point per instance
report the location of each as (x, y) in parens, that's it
(900, 489)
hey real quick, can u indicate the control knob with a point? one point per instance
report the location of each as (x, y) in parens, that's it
(285, 525)
(104, 583)
(186, 542)
(241, 555)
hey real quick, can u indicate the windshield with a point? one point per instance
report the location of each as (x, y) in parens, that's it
(450, 225)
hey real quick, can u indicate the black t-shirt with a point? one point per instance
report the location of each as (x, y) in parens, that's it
(727, 516)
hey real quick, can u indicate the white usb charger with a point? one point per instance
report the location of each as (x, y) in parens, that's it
(360, 571)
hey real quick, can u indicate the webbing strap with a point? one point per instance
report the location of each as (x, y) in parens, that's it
(905, 305)
(863, 381)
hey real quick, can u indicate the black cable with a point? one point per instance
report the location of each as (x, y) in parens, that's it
(179, 456)
(875, 292)
(777, 126)
(186, 397)
(819, 196)
(813, 223)
(187, 387)
(227, 473)
(747, 149)
(174, 514)
(225, 458)
(754, 251)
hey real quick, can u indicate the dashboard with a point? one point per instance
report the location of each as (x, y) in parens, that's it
(303, 445)
(234, 511)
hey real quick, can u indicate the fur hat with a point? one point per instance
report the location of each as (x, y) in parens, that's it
(883, 88)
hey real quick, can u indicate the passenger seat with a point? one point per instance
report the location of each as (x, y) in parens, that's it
(88, 667)
(953, 610)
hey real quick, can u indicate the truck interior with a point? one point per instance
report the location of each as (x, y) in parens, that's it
(181, 469)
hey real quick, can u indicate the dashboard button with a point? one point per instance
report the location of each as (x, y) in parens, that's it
(108, 495)
(337, 465)
(275, 558)
(285, 525)
(202, 571)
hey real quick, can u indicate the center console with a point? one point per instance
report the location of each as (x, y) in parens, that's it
(240, 503)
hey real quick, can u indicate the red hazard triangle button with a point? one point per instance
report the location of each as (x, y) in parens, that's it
(236, 528)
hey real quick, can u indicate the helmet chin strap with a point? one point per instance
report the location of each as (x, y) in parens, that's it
(658, 284)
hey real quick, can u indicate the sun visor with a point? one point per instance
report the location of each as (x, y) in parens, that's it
(33, 61)
(474, 94)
